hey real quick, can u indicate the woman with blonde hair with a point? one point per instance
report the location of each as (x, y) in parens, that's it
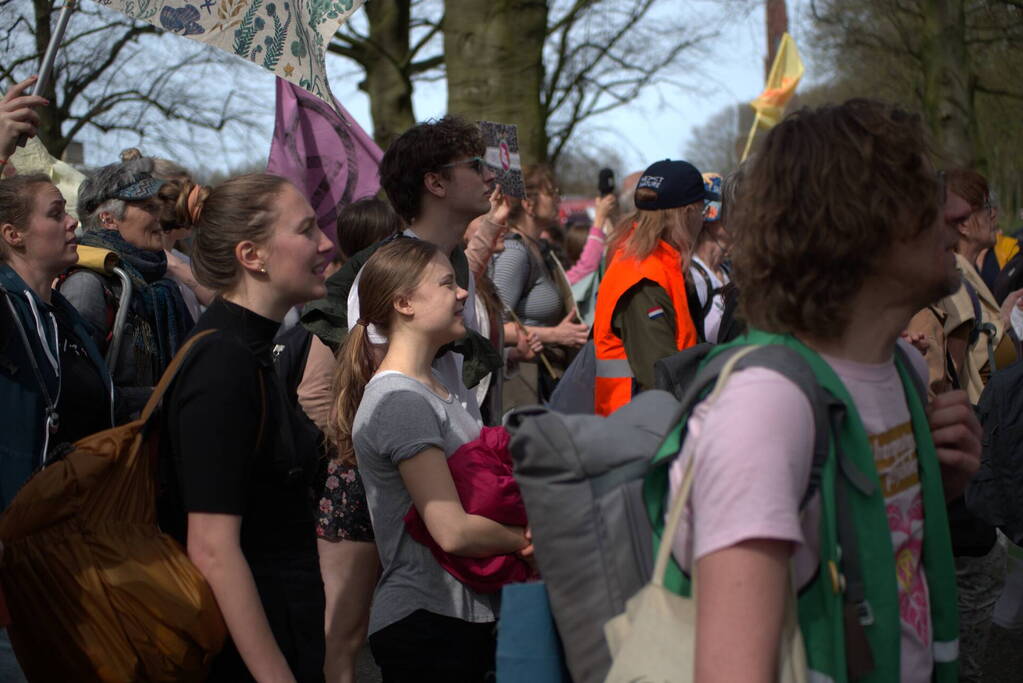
(236, 459)
(401, 424)
(642, 310)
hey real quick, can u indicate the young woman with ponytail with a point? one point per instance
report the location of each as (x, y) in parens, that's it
(401, 424)
(237, 465)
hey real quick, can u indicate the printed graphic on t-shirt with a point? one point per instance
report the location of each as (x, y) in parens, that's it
(896, 461)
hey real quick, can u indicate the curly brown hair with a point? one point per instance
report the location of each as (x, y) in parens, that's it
(421, 149)
(830, 191)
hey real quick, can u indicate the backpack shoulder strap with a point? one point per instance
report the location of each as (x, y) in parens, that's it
(168, 375)
(979, 326)
(705, 306)
(791, 365)
(695, 306)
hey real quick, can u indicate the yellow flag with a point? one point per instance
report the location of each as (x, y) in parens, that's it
(781, 84)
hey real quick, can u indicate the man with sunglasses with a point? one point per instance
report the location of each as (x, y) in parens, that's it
(437, 181)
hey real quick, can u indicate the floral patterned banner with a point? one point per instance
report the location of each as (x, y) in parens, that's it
(287, 37)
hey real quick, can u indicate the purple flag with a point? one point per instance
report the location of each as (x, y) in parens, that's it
(330, 158)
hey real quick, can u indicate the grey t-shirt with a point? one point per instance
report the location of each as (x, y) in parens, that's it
(398, 418)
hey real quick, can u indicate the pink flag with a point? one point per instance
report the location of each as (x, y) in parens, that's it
(330, 158)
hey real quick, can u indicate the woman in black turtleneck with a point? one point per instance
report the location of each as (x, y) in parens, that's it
(235, 485)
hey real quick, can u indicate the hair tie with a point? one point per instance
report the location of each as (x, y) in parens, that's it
(193, 204)
(362, 322)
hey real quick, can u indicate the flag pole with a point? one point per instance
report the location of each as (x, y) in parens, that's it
(752, 134)
(50, 56)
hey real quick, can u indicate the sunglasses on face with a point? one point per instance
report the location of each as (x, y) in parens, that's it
(475, 163)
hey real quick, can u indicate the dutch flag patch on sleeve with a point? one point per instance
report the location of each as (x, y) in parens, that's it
(655, 312)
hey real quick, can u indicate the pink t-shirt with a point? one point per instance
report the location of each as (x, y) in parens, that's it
(753, 450)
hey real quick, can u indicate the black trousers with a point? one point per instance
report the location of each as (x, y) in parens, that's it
(425, 648)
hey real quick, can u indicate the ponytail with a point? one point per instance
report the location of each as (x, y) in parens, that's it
(393, 270)
(355, 367)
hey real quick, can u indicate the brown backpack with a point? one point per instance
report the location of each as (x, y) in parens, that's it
(95, 590)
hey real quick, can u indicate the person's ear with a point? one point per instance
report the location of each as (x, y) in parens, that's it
(106, 220)
(251, 256)
(403, 304)
(964, 227)
(12, 236)
(436, 184)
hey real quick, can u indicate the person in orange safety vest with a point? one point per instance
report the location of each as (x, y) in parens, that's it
(642, 314)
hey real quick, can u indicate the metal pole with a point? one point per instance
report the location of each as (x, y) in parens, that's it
(752, 134)
(50, 56)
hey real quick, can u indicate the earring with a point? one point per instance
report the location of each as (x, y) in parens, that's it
(262, 269)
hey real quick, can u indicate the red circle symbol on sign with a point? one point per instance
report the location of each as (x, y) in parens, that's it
(505, 155)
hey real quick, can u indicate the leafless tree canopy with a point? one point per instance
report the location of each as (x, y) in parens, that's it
(116, 75)
(600, 54)
(965, 74)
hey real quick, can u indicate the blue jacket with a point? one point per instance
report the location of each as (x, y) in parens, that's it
(23, 420)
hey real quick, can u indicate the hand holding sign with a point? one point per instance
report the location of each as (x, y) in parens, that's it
(502, 155)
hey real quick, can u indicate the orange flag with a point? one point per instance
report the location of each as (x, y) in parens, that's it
(786, 72)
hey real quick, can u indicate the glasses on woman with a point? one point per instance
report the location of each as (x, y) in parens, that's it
(475, 163)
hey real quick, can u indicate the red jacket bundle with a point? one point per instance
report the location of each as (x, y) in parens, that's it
(482, 472)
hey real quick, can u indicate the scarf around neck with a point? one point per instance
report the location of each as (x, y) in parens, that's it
(156, 299)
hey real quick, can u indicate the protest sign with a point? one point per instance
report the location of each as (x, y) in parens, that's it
(502, 155)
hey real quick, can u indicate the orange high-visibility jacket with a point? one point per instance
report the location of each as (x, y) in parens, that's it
(613, 387)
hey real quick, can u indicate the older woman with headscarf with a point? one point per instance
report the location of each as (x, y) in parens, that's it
(121, 209)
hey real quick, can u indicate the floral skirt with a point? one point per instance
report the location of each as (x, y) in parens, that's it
(342, 513)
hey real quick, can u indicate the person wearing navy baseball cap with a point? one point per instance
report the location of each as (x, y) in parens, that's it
(642, 309)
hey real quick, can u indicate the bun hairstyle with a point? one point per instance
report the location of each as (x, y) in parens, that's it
(130, 154)
(183, 201)
(393, 270)
(239, 209)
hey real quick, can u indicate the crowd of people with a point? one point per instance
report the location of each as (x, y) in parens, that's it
(291, 455)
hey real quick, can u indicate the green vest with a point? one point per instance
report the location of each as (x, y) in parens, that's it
(821, 602)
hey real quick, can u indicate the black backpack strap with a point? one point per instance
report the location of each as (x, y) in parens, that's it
(711, 289)
(981, 327)
(857, 613)
(695, 308)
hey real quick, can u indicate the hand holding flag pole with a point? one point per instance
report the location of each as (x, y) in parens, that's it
(50, 56)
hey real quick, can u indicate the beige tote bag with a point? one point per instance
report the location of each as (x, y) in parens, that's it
(654, 639)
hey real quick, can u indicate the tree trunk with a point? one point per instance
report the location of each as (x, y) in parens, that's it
(388, 82)
(494, 58)
(948, 86)
(51, 119)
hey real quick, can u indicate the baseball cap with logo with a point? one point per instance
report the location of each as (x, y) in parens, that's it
(674, 183)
